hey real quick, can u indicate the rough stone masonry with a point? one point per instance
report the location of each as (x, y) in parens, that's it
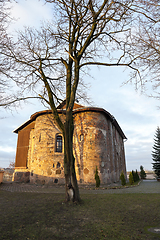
(98, 141)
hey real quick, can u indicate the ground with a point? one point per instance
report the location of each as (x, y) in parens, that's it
(103, 214)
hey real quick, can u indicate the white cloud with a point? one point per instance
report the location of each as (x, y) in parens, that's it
(30, 13)
(7, 149)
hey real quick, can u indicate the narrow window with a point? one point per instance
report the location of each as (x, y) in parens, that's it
(81, 137)
(40, 137)
(58, 143)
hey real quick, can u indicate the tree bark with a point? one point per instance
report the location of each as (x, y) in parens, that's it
(69, 160)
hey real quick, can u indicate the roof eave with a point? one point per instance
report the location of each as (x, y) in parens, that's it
(95, 109)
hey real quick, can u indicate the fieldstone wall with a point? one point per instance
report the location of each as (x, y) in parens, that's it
(21, 175)
(46, 165)
(96, 142)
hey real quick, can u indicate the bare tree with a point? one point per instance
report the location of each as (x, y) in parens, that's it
(12, 164)
(144, 45)
(5, 20)
(47, 63)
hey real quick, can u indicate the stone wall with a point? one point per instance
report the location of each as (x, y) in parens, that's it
(96, 142)
(8, 174)
(21, 175)
(45, 165)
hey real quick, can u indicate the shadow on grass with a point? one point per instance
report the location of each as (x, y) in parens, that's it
(103, 216)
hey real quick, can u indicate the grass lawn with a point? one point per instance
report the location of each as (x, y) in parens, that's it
(99, 216)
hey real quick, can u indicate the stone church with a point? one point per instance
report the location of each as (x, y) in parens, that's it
(98, 141)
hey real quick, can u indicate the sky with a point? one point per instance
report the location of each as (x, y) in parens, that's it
(136, 113)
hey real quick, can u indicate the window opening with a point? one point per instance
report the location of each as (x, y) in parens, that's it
(58, 143)
(58, 165)
(56, 180)
(81, 137)
(40, 137)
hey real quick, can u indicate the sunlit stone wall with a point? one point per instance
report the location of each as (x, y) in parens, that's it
(96, 142)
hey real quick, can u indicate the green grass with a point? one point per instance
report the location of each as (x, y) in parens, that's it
(99, 216)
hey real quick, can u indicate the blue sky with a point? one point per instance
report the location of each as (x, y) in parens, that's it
(137, 114)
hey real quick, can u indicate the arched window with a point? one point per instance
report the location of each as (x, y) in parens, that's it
(58, 143)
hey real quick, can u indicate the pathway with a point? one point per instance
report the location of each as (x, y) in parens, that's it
(146, 186)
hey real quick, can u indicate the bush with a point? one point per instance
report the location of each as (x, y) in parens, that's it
(122, 178)
(97, 178)
(142, 173)
(135, 176)
(131, 180)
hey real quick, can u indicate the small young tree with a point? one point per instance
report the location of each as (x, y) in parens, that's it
(97, 178)
(142, 173)
(122, 178)
(156, 153)
(131, 181)
(135, 175)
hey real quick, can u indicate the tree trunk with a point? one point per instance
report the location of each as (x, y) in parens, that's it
(71, 186)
